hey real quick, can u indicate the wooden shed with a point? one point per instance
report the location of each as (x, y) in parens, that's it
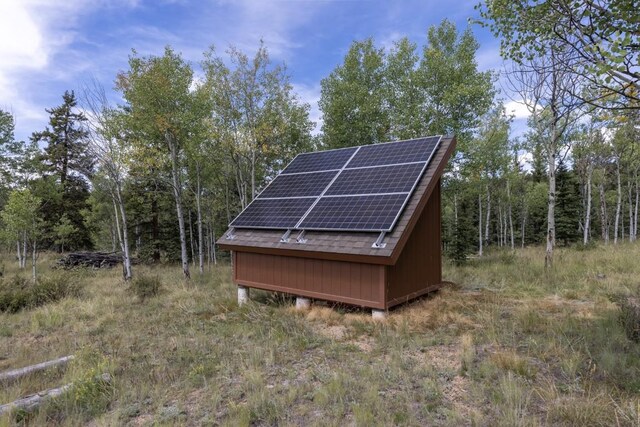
(369, 268)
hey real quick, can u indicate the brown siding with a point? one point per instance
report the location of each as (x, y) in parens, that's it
(348, 282)
(418, 269)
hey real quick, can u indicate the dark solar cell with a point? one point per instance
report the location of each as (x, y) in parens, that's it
(320, 161)
(383, 179)
(415, 150)
(299, 185)
(356, 213)
(273, 213)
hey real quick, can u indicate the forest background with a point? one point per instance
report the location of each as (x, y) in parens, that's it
(159, 175)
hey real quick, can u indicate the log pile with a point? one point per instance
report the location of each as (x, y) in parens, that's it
(89, 259)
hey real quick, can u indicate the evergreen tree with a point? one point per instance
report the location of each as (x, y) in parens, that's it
(567, 205)
(66, 166)
(538, 165)
(462, 235)
(66, 152)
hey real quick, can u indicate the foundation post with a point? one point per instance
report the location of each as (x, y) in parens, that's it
(377, 314)
(303, 303)
(243, 295)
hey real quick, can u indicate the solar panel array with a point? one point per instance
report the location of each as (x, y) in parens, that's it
(361, 188)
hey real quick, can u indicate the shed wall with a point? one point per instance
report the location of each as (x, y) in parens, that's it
(419, 268)
(349, 282)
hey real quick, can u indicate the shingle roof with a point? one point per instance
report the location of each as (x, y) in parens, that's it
(350, 246)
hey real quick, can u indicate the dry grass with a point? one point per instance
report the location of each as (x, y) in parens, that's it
(508, 346)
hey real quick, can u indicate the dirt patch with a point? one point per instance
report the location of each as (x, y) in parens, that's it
(455, 388)
(337, 332)
(443, 357)
(142, 420)
(364, 343)
(341, 333)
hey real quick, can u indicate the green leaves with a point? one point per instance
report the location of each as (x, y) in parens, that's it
(21, 217)
(63, 231)
(160, 103)
(353, 98)
(599, 36)
(257, 120)
(376, 96)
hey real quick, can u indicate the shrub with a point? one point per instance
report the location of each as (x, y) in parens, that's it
(591, 244)
(19, 292)
(630, 316)
(467, 353)
(146, 286)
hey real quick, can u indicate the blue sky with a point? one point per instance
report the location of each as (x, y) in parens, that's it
(48, 46)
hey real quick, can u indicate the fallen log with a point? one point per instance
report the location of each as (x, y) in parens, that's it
(14, 374)
(31, 402)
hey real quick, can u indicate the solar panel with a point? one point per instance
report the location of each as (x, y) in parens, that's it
(414, 150)
(359, 213)
(298, 185)
(320, 161)
(381, 179)
(358, 189)
(273, 213)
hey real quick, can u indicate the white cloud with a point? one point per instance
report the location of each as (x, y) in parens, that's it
(517, 109)
(310, 94)
(32, 34)
(21, 41)
(388, 41)
(244, 23)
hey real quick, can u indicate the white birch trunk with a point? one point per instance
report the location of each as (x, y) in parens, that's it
(19, 254)
(630, 204)
(618, 203)
(193, 253)
(488, 217)
(123, 235)
(524, 226)
(604, 220)
(24, 250)
(635, 212)
(587, 213)
(213, 247)
(480, 224)
(551, 220)
(510, 212)
(177, 193)
(34, 257)
(499, 230)
(253, 174)
(199, 220)
(114, 238)
(208, 234)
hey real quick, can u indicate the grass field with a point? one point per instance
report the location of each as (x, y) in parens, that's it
(508, 346)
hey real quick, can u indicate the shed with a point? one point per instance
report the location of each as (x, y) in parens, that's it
(360, 226)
